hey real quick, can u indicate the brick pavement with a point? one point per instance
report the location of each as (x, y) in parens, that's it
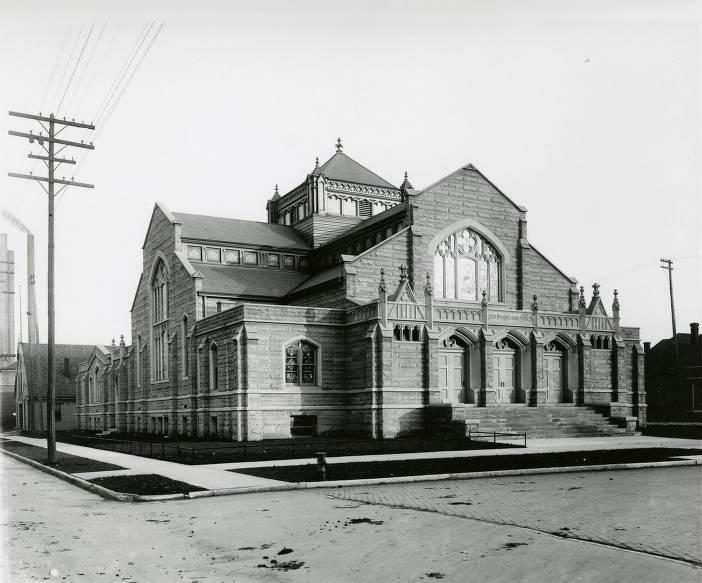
(656, 511)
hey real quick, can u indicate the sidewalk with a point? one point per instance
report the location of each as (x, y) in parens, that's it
(216, 476)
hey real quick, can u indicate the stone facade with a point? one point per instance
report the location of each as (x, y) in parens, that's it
(359, 308)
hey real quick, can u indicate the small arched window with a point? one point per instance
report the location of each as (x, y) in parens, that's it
(465, 264)
(186, 347)
(213, 366)
(397, 332)
(301, 363)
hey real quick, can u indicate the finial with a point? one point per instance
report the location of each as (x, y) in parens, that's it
(581, 299)
(121, 339)
(381, 285)
(615, 303)
(316, 162)
(405, 174)
(427, 288)
(406, 184)
(484, 301)
(339, 147)
(596, 290)
(113, 343)
(403, 272)
(276, 189)
(535, 304)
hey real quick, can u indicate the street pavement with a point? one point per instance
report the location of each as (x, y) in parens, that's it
(53, 531)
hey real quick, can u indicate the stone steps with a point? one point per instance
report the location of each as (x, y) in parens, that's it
(557, 420)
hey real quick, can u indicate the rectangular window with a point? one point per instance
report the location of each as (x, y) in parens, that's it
(289, 262)
(348, 208)
(214, 255)
(250, 258)
(273, 260)
(303, 425)
(333, 205)
(232, 256)
(301, 211)
(194, 253)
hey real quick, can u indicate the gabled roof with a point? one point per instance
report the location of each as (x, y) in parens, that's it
(472, 168)
(35, 360)
(248, 282)
(224, 230)
(342, 167)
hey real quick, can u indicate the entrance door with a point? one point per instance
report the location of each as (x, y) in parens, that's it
(451, 376)
(553, 376)
(503, 375)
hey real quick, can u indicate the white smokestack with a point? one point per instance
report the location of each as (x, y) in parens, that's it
(32, 321)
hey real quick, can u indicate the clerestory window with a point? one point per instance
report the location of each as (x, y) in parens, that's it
(465, 265)
(301, 359)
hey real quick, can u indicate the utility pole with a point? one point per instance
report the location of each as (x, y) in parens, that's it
(669, 266)
(52, 162)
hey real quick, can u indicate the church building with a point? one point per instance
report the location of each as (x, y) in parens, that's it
(358, 308)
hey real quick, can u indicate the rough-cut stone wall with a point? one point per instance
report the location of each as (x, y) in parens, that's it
(467, 194)
(388, 255)
(542, 279)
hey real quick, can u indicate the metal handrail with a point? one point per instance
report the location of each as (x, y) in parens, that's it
(494, 434)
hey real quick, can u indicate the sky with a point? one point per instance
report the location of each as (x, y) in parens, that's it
(587, 113)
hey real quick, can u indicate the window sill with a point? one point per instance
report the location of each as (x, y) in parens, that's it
(161, 382)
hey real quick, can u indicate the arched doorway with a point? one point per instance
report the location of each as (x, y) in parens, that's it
(453, 370)
(505, 365)
(554, 371)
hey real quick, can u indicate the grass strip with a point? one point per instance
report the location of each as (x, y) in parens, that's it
(420, 467)
(65, 462)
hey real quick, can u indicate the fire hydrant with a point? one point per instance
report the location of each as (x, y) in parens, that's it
(322, 463)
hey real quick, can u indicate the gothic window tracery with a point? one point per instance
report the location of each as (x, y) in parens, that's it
(301, 363)
(465, 264)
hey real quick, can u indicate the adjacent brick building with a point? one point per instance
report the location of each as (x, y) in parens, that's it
(358, 308)
(31, 384)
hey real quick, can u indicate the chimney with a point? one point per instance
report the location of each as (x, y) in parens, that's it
(647, 347)
(695, 338)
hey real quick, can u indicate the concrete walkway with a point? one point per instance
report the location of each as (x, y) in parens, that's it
(216, 476)
(205, 477)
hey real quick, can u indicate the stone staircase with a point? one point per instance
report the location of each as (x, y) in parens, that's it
(564, 420)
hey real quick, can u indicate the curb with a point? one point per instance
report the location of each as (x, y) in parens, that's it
(122, 497)
(75, 480)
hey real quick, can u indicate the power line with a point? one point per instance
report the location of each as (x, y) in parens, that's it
(113, 89)
(82, 75)
(106, 118)
(68, 64)
(98, 66)
(55, 67)
(87, 38)
(106, 115)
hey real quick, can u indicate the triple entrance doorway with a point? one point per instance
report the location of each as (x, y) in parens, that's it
(457, 385)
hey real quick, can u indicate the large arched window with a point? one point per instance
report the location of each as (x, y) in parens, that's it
(301, 363)
(159, 318)
(465, 264)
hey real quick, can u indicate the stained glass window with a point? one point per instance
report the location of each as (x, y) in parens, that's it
(301, 363)
(465, 264)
